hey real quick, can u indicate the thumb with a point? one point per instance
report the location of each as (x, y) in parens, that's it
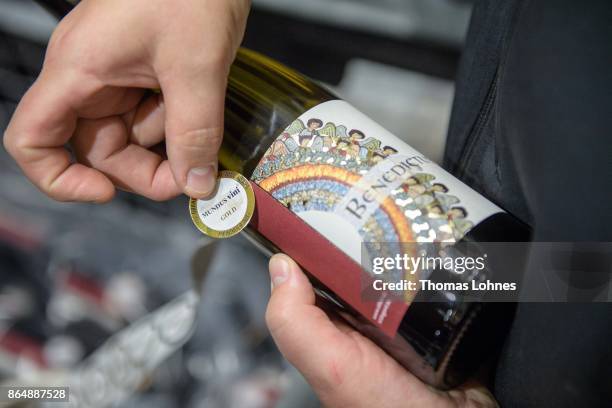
(304, 334)
(194, 98)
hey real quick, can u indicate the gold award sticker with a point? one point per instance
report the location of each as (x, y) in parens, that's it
(228, 210)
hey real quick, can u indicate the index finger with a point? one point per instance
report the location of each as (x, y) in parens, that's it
(35, 137)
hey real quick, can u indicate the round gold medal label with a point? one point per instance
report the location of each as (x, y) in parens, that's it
(228, 210)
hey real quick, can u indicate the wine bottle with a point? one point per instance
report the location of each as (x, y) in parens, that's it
(314, 153)
(313, 156)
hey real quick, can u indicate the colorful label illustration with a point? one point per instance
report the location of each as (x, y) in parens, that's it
(354, 182)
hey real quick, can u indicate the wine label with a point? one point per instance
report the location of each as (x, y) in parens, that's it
(228, 210)
(334, 184)
(354, 182)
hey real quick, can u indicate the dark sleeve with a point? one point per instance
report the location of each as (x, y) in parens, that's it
(555, 114)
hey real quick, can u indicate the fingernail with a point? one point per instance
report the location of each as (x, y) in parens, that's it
(279, 271)
(201, 181)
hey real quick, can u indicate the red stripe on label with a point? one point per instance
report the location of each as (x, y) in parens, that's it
(324, 261)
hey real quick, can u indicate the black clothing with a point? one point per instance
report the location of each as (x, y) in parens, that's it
(531, 129)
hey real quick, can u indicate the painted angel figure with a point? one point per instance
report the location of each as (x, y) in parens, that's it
(355, 137)
(314, 135)
(417, 184)
(440, 191)
(388, 151)
(458, 218)
(289, 142)
(341, 150)
(278, 148)
(310, 131)
(329, 135)
(368, 147)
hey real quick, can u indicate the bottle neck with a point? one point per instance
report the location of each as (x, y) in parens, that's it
(263, 98)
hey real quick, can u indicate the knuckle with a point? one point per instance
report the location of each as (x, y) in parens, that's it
(277, 318)
(70, 45)
(17, 147)
(205, 59)
(212, 57)
(54, 191)
(61, 39)
(332, 376)
(201, 138)
(218, 59)
(7, 142)
(53, 187)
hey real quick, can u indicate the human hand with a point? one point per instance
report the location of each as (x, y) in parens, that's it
(91, 94)
(344, 368)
